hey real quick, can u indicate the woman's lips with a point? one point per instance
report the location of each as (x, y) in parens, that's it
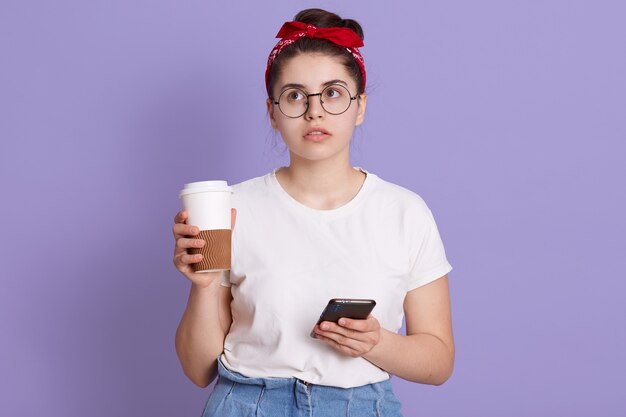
(316, 135)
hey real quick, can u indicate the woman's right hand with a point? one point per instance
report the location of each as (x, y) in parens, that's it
(184, 235)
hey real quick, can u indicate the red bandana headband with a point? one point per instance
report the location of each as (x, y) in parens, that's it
(292, 31)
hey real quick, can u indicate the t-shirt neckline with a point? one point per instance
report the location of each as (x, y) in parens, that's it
(331, 213)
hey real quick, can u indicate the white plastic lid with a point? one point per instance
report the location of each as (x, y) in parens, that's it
(204, 186)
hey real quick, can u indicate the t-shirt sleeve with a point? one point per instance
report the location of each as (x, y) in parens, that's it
(428, 257)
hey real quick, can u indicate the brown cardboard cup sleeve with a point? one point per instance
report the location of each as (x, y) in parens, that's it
(216, 251)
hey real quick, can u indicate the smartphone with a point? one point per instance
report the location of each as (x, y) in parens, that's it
(351, 308)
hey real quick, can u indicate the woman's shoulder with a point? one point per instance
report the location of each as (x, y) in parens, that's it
(251, 184)
(253, 188)
(398, 207)
(394, 194)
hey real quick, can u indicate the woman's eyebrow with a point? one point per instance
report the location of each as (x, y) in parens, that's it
(302, 87)
(337, 81)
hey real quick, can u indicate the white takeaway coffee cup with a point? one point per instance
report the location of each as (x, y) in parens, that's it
(208, 204)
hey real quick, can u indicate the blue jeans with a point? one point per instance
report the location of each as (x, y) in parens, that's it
(236, 395)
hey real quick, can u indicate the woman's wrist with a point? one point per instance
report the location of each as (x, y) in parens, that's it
(208, 281)
(377, 352)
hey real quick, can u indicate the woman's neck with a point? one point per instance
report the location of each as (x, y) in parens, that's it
(322, 185)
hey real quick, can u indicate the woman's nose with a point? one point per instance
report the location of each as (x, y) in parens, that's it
(315, 109)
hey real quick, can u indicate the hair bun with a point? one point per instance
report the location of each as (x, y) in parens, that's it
(324, 19)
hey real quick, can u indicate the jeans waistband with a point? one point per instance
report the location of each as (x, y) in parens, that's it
(268, 383)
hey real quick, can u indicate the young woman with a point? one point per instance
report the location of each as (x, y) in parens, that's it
(315, 230)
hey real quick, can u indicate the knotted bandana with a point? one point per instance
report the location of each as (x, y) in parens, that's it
(292, 31)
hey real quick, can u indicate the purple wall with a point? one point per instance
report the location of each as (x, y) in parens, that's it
(507, 117)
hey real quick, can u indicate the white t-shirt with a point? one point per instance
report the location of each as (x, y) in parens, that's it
(288, 260)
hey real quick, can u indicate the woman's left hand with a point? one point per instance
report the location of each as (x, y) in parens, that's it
(351, 337)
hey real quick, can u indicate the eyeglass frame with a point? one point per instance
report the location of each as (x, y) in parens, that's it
(315, 94)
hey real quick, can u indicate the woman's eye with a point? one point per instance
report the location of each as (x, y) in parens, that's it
(332, 93)
(295, 95)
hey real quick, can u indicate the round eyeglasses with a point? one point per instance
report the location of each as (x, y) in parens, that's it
(335, 99)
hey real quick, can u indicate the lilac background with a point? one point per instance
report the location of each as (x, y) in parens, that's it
(506, 116)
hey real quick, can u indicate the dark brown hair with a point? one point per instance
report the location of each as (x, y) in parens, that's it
(321, 19)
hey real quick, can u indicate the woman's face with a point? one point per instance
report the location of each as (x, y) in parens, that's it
(316, 135)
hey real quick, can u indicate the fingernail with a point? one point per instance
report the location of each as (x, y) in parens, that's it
(324, 326)
(342, 322)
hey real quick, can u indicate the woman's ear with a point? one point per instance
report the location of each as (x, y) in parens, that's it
(270, 111)
(360, 116)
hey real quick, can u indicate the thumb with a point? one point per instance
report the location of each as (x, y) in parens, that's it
(233, 217)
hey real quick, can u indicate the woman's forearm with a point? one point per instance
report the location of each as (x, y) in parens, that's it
(421, 357)
(201, 332)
